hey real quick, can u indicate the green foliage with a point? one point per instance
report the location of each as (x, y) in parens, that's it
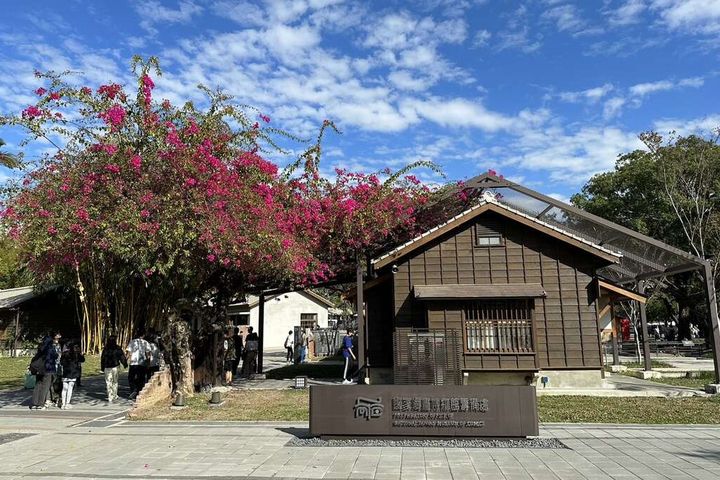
(13, 272)
(7, 159)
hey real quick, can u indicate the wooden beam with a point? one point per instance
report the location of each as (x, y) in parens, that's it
(623, 292)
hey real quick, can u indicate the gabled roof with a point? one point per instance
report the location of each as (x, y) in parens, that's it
(488, 202)
(12, 297)
(254, 300)
(642, 258)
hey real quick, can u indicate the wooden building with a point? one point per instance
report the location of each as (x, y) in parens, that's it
(497, 294)
(27, 314)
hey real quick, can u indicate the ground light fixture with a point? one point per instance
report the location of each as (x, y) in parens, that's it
(301, 382)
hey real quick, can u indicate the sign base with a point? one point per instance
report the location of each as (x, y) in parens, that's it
(423, 411)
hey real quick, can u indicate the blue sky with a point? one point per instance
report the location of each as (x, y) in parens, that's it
(546, 92)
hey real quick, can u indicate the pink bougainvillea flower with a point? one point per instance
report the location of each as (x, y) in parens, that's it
(112, 168)
(55, 96)
(52, 230)
(40, 92)
(82, 214)
(114, 116)
(86, 91)
(211, 258)
(32, 112)
(265, 118)
(109, 91)
(144, 213)
(136, 162)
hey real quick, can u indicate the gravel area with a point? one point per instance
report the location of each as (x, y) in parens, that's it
(449, 443)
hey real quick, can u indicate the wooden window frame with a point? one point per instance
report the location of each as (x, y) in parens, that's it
(499, 235)
(530, 319)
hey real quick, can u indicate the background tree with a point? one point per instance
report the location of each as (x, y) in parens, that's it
(145, 203)
(7, 159)
(668, 192)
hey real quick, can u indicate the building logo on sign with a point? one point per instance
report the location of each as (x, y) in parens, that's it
(368, 408)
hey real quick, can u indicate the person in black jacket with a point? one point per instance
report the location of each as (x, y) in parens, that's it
(44, 379)
(110, 360)
(70, 362)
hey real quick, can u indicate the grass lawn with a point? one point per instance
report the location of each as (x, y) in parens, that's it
(292, 405)
(242, 405)
(12, 370)
(653, 363)
(698, 382)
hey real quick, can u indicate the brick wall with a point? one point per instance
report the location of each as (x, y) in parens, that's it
(158, 388)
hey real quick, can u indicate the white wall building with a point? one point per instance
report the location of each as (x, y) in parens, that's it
(282, 312)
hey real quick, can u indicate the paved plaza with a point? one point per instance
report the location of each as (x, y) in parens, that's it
(74, 444)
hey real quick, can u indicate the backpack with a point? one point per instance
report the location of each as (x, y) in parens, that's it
(37, 364)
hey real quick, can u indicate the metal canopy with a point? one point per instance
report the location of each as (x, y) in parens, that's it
(643, 257)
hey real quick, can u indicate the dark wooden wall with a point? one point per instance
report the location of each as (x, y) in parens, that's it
(38, 317)
(566, 329)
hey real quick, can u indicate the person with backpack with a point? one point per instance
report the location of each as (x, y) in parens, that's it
(44, 366)
(110, 360)
(70, 361)
(138, 357)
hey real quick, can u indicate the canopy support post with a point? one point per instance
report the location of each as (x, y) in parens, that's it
(713, 311)
(360, 318)
(616, 353)
(261, 332)
(643, 327)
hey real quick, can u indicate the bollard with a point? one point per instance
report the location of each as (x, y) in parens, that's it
(179, 400)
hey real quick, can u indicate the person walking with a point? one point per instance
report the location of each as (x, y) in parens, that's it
(154, 356)
(347, 351)
(137, 354)
(304, 339)
(110, 360)
(238, 344)
(252, 343)
(229, 356)
(45, 365)
(70, 361)
(289, 344)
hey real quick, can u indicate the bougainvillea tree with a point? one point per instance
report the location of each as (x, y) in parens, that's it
(143, 203)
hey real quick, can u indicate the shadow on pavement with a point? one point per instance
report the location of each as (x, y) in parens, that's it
(92, 393)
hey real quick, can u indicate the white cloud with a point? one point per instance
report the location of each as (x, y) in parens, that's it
(571, 157)
(517, 33)
(699, 126)
(628, 13)
(482, 37)
(592, 95)
(642, 89)
(613, 107)
(153, 12)
(566, 17)
(691, 16)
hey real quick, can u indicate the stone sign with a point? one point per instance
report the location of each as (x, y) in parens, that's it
(423, 410)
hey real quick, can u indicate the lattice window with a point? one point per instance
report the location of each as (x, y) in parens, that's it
(499, 326)
(308, 320)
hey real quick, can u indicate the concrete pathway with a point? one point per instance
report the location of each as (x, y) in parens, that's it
(617, 385)
(258, 450)
(92, 395)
